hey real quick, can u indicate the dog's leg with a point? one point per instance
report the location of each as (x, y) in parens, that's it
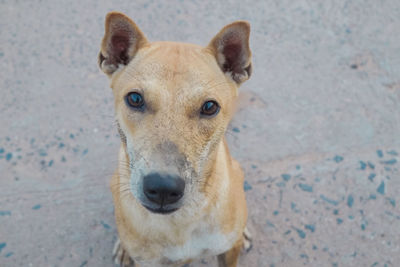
(230, 258)
(247, 240)
(121, 257)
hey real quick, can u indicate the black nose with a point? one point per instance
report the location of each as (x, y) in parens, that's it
(163, 189)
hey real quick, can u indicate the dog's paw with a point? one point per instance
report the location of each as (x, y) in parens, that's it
(121, 257)
(247, 240)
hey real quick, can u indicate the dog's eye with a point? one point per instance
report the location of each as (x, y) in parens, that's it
(135, 100)
(210, 108)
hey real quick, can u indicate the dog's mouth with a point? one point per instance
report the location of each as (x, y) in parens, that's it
(161, 209)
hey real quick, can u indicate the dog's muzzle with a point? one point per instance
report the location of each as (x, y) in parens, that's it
(163, 192)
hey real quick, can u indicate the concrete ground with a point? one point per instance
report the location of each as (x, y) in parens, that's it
(317, 130)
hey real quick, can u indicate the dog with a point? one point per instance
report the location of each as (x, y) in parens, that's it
(177, 192)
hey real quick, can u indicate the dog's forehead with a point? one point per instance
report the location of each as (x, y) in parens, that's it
(169, 65)
(177, 58)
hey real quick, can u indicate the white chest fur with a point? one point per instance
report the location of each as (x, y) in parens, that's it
(202, 243)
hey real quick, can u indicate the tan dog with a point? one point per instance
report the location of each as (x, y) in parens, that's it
(178, 193)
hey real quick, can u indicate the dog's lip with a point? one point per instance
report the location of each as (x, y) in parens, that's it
(161, 210)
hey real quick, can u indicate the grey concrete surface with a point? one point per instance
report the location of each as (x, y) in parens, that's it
(317, 129)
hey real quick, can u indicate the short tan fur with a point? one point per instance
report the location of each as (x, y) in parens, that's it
(170, 135)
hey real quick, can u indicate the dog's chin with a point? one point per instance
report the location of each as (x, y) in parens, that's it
(161, 210)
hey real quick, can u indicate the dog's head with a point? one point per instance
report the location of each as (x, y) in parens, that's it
(173, 102)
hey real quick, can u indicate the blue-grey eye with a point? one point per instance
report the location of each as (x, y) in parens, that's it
(135, 100)
(210, 108)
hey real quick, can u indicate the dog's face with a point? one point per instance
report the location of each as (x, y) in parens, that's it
(173, 102)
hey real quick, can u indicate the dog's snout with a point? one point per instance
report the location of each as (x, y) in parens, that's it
(163, 189)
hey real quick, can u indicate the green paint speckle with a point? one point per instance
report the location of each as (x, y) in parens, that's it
(392, 202)
(5, 212)
(350, 201)
(371, 165)
(36, 207)
(363, 165)
(42, 153)
(328, 200)
(338, 158)
(389, 162)
(2, 246)
(286, 177)
(270, 224)
(105, 225)
(304, 256)
(310, 227)
(371, 177)
(300, 232)
(293, 207)
(306, 187)
(381, 188)
(247, 186)
(9, 156)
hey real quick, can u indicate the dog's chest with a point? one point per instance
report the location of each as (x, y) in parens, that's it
(203, 242)
(200, 243)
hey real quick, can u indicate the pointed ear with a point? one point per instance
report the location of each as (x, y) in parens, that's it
(121, 41)
(232, 52)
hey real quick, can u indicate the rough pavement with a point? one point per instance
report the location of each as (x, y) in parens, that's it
(317, 129)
